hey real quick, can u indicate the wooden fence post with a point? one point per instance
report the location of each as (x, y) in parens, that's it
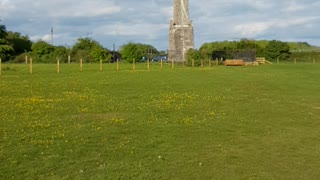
(26, 59)
(172, 64)
(295, 60)
(148, 64)
(202, 63)
(69, 59)
(161, 64)
(134, 64)
(30, 66)
(58, 65)
(100, 65)
(81, 66)
(118, 65)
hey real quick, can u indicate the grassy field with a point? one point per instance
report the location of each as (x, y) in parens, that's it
(213, 123)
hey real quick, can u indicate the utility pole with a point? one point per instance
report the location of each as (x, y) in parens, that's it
(114, 53)
(51, 35)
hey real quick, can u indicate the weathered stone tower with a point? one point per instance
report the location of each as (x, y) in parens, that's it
(181, 32)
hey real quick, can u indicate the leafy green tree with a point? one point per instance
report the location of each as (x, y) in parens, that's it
(246, 44)
(41, 48)
(299, 46)
(89, 50)
(6, 49)
(100, 53)
(86, 44)
(194, 55)
(12, 44)
(60, 52)
(227, 47)
(207, 49)
(137, 51)
(42, 52)
(277, 50)
(131, 51)
(21, 44)
(3, 31)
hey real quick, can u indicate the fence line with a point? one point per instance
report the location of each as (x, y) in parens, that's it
(146, 66)
(297, 61)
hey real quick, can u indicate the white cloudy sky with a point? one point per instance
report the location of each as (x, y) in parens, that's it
(147, 21)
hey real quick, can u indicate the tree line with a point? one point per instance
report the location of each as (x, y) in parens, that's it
(14, 47)
(272, 50)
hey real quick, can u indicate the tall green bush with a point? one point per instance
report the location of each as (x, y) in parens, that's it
(137, 51)
(277, 50)
(194, 56)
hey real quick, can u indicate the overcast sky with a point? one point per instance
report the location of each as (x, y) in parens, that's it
(147, 21)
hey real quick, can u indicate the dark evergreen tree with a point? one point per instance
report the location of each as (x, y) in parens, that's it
(277, 50)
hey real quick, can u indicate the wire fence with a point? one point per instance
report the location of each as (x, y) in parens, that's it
(64, 68)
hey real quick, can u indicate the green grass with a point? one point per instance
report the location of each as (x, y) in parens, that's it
(213, 123)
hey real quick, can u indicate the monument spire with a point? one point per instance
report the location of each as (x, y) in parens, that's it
(181, 31)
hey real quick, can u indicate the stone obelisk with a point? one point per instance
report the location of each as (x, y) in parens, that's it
(181, 32)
